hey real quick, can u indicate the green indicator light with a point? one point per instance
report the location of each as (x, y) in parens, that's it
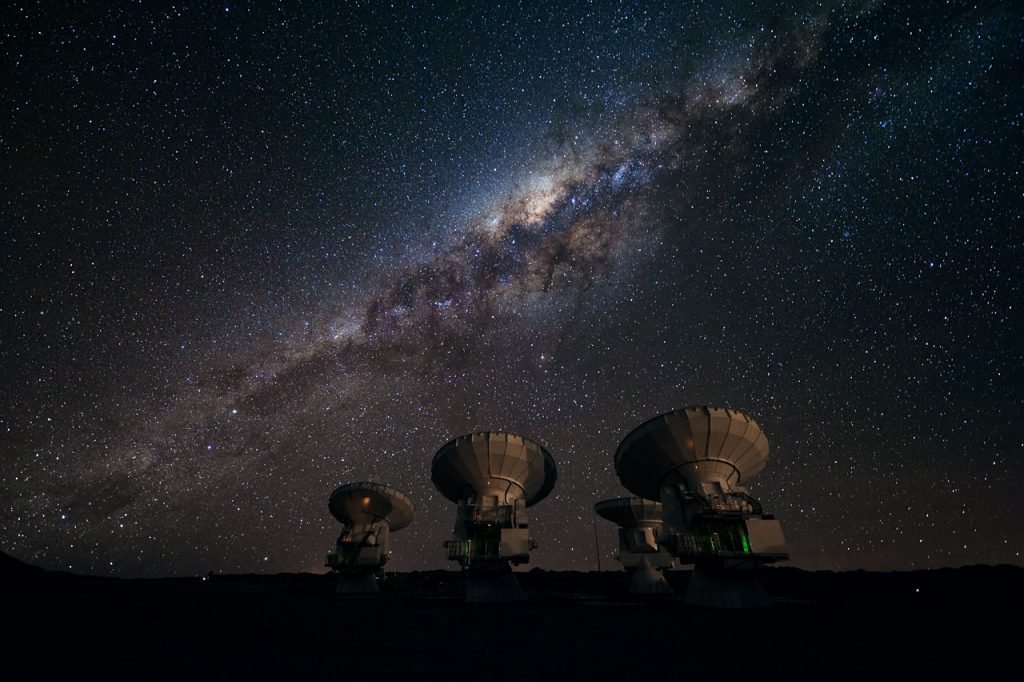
(746, 543)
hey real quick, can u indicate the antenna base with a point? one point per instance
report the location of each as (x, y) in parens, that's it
(715, 586)
(492, 581)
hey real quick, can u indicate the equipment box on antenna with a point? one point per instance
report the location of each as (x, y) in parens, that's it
(766, 537)
(515, 545)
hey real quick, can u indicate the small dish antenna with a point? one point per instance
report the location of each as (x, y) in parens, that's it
(639, 521)
(369, 513)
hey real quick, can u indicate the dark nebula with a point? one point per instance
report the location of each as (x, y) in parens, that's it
(251, 254)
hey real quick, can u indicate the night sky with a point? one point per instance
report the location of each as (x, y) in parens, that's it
(252, 254)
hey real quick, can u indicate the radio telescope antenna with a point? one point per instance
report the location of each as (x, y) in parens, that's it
(493, 477)
(639, 521)
(696, 462)
(369, 513)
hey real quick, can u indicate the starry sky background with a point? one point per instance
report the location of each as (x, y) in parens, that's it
(252, 254)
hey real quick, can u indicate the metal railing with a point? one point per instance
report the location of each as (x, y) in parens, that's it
(479, 515)
(706, 544)
(465, 551)
(458, 550)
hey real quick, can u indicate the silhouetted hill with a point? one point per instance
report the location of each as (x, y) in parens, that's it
(14, 569)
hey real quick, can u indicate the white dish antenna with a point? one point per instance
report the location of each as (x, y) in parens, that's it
(493, 477)
(369, 513)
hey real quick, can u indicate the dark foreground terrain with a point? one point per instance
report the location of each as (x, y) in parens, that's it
(574, 626)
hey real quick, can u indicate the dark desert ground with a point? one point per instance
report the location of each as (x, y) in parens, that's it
(574, 626)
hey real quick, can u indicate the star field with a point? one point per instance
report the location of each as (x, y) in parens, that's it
(252, 254)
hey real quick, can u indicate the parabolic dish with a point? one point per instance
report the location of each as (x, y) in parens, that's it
(630, 511)
(694, 442)
(494, 462)
(362, 503)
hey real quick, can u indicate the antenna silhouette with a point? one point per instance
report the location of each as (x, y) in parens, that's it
(369, 513)
(696, 461)
(493, 477)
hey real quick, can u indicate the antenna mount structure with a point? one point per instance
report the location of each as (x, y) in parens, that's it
(369, 513)
(639, 521)
(696, 461)
(493, 477)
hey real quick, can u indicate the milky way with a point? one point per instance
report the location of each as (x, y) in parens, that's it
(254, 255)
